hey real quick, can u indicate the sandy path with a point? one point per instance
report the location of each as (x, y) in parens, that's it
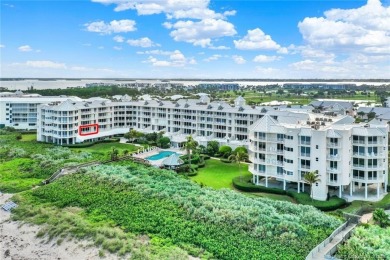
(19, 242)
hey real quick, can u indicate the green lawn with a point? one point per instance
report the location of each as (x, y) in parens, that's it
(101, 150)
(219, 175)
(29, 137)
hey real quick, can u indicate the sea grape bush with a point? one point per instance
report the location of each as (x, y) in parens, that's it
(367, 242)
(144, 200)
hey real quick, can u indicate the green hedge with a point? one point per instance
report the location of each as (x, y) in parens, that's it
(226, 161)
(89, 144)
(332, 204)
(201, 165)
(205, 157)
(244, 184)
(302, 198)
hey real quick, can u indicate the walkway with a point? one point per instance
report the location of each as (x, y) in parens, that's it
(329, 248)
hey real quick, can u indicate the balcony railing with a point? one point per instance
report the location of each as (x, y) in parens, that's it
(332, 144)
(333, 156)
(305, 154)
(358, 142)
(305, 143)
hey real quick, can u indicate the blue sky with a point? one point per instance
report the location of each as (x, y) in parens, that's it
(195, 39)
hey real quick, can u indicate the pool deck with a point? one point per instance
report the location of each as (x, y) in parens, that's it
(154, 152)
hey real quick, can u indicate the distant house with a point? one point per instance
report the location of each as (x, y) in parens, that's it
(387, 102)
(334, 107)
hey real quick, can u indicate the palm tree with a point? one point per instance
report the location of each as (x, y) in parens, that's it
(311, 178)
(114, 154)
(189, 146)
(238, 157)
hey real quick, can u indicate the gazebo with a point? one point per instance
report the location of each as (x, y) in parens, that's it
(172, 162)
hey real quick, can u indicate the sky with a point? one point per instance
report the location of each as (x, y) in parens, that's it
(254, 39)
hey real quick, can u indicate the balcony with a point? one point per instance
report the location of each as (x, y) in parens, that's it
(332, 182)
(304, 143)
(305, 154)
(358, 165)
(332, 144)
(330, 169)
(279, 163)
(333, 157)
(305, 167)
(358, 142)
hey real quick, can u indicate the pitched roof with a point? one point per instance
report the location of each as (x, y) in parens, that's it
(173, 160)
(264, 124)
(332, 134)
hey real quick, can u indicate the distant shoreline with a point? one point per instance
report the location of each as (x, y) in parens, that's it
(201, 79)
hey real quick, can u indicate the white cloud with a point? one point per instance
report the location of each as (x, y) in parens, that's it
(174, 9)
(144, 42)
(238, 59)
(176, 59)
(265, 58)
(101, 47)
(2, 46)
(230, 13)
(115, 26)
(256, 39)
(25, 48)
(119, 38)
(200, 33)
(221, 47)
(41, 64)
(155, 52)
(118, 48)
(364, 29)
(213, 57)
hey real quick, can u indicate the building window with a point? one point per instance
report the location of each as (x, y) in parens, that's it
(333, 152)
(316, 159)
(262, 168)
(305, 151)
(333, 165)
(333, 177)
(305, 140)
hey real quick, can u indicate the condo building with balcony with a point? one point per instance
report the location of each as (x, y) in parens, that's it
(73, 122)
(351, 159)
(19, 110)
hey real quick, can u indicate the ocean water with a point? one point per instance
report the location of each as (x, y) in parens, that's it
(63, 83)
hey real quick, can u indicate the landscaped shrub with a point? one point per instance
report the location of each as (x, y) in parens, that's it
(194, 158)
(89, 144)
(225, 150)
(212, 147)
(302, 198)
(201, 164)
(332, 204)
(240, 149)
(245, 184)
(205, 157)
(225, 161)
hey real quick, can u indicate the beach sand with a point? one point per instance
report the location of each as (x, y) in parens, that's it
(18, 241)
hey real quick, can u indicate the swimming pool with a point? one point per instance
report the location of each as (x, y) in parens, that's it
(160, 155)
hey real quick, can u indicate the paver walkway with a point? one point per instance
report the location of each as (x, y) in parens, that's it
(335, 241)
(366, 218)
